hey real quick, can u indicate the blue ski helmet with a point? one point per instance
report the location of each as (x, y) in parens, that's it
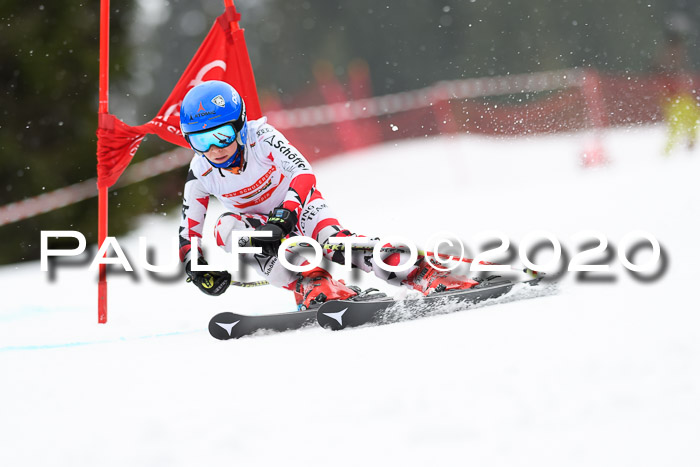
(211, 105)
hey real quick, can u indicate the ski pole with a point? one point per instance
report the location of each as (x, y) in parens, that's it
(249, 284)
(340, 247)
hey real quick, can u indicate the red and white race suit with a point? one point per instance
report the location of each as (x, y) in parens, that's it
(276, 174)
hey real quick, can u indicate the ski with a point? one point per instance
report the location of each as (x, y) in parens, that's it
(340, 314)
(369, 307)
(229, 325)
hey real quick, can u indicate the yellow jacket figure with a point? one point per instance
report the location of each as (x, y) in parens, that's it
(679, 103)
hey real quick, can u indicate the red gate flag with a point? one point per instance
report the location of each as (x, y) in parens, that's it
(222, 56)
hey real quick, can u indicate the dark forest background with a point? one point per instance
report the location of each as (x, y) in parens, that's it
(49, 71)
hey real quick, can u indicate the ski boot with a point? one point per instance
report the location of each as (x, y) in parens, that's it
(317, 286)
(427, 279)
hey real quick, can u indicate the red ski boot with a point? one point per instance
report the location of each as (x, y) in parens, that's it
(427, 279)
(317, 286)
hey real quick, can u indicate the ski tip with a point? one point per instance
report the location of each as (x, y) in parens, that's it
(222, 326)
(330, 316)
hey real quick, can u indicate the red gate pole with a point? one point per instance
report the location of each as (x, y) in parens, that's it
(594, 154)
(102, 196)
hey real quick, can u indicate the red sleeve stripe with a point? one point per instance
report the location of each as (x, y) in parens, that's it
(184, 251)
(322, 225)
(301, 184)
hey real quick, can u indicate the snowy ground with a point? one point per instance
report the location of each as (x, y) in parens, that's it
(602, 373)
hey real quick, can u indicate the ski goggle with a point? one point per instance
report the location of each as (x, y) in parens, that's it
(220, 137)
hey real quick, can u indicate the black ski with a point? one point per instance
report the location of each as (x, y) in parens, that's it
(339, 314)
(228, 325)
(367, 307)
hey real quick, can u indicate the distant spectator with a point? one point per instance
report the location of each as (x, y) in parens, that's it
(680, 104)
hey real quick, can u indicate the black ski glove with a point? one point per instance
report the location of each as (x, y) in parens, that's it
(281, 222)
(209, 282)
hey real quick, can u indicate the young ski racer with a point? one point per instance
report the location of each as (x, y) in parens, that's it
(265, 184)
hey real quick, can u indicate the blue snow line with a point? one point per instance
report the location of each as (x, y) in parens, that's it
(81, 344)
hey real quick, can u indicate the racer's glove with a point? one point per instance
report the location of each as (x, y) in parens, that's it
(209, 282)
(281, 222)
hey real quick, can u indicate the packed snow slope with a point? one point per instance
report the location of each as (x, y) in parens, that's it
(600, 373)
